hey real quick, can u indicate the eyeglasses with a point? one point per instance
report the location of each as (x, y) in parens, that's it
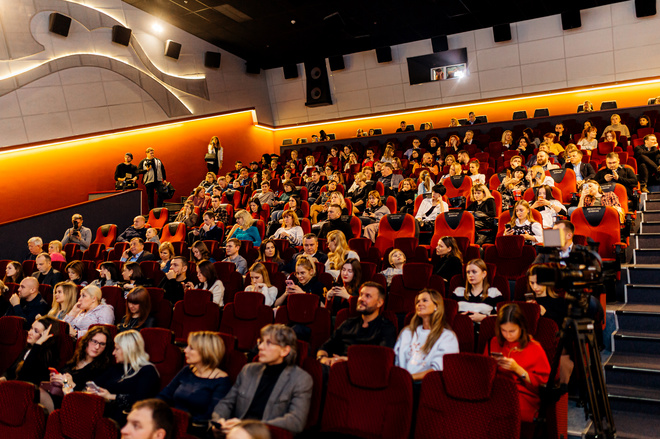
(100, 344)
(269, 342)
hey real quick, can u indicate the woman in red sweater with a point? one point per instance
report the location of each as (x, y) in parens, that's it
(517, 352)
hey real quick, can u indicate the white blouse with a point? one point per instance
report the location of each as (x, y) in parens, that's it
(408, 352)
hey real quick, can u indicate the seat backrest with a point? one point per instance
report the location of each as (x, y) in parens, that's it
(114, 296)
(468, 399)
(12, 340)
(453, 223)
(163, 353)
(394, 226)
(174, 232)
(196, 312)
(505, 218)
(21, 416)
(458, 186)
(106, 235)
(368, 396)
(245, 317)
(601, 224)
(158, 217)
(81, 417)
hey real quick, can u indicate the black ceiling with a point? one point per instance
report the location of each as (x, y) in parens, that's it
(325, 28)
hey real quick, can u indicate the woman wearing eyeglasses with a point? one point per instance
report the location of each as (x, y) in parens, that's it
(90, 360)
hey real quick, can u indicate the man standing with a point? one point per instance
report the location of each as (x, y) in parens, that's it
(126, 174)
(648, 160)
(617, 173)
(232, 248)
(78, 234)
(335, 222)
(136, 252)
(174, 279)
(369, 328)
(149, 419)
(46, 274)
(274, 390)
(154, 177)
(35, 248)
(137, 230)
(27, 303)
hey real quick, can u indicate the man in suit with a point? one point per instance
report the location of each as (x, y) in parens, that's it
(46, 274)
(136, 252)
(616, 173)
(274, 390)
(472, 119)
(583, 171)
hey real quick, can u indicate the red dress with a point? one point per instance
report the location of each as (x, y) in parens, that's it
(535, 362)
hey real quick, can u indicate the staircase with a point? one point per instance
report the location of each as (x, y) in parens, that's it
(633, 370)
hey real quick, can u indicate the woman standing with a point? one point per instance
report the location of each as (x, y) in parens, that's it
(518, 353)
(138, 308)
(523, 223)
(90, 310)
(423, 344)
(65, 296)
(214, 155)
(477, 299)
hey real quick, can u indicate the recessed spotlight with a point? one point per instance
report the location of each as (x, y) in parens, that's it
(293, 21)
(157, 28)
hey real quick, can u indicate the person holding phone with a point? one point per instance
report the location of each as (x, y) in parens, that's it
(346, 286)
(260, 282)
(523, 223)
(591, 194)
(517, 352)
(549, 207)
(305, 281)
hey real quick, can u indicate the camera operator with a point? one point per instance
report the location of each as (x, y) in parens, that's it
(568, 230)
(78, 234)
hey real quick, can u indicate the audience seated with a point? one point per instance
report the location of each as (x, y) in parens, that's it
(231, 249)
(138, 311)
(35, 248)
(477, 299)
(78, 234)
(46, 274)
(65, 297)
(260, 283)
(27, 302)
(90, 310)
(137, 230)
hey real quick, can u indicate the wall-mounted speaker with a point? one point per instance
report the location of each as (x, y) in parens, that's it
(336, 62)
(290, 71)
(440, 43)
(502, 32)
(121, 35)
(384, 54)
(252, 68)
(212, 60)
(59, 24)
(571, 19)
(172, 49)
(318, 85)
(645, 8)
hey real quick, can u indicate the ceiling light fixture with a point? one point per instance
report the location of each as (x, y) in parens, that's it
(156, 27)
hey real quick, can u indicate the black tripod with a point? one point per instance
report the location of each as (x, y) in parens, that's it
(577, 329)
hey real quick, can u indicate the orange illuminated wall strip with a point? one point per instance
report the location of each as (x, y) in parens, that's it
(47, 176)
(627, 94)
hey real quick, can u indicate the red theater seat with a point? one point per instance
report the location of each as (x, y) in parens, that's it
(405, 286)
(174, 232)
(233, 360)
(510, 255)
(163, 353)
(602, 225)
(12, 340)
(196, 312)
(304, 309)
(458, 186)
(394, 226)
(244, 318)
(81, 416)
(158, 217)
(21, 416)
(564, 181)
(106, 235)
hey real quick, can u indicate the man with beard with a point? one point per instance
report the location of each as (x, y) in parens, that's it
(369, 328)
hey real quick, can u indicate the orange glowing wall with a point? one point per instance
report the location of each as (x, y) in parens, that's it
(627, 94)
(43, 177)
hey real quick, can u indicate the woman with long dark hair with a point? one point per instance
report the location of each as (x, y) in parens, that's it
(138, 310)
(208, 280)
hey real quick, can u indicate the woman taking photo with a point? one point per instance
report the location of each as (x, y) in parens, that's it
(338, 253)
(375, 209)
(591, 194)
(290, 230)
(109, 275)
(13, 273)
(448, 259)
(208, 280)
(477, 299)
(523, 223)
(65, 297)
(201, 384)
(513, 186)
(545, 203)
(425, 341)
(138, 310)
(244, 229)
(90, 360)
(305, 281)
(260, 283)
(518, 353)
(483, 208)
(166, 252)
(268, 252)
(40, 353)
(396, 259)
(74, 270)
(346, 286)
(90, 310)
(132, 379)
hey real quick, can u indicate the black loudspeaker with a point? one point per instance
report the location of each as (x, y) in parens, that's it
(318, 86)
(212, 60)
(290, 71)
(502, 32)
(121, 35)
(440, 43)
(172, 49)
(384, 54)
(645, 8)
(336, 62)
(252, 68)
(59, 24)
(571, 19)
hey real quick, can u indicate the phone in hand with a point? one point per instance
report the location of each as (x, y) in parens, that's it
(91, 385)
(529, 296)
(497, 355)
(507, 226)
(52, 370)
(289, 283)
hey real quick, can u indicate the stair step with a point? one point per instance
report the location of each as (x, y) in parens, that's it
(644, 241)
(646, 256)
(641, 342)
(650, 226)
(629, 376)
(650, 215)
(644, 275)
(653, 196)
(638, 317)
(652, 204)
(634, 399)
(635, 425)
(643, 294)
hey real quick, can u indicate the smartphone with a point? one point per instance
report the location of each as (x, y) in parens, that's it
(529, 296)
(92, 386)
(52, 370)
(496, 355)
(289, 283)
(507, 226)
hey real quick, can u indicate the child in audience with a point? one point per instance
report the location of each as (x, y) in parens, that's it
(396, 259)
(152, 236)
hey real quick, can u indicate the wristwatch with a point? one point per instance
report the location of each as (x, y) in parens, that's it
(523, 376)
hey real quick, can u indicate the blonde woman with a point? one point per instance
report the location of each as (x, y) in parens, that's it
(260, 283)
(523, 223)
(388, 154)
(616, 125)
(339, 253)
(454, 169)
(245, 229)
(55, 251)
(65, 297)
(425, 183)
(507, 139)
(304, 281)
(90, 309)
(290, 230)
(310, 164)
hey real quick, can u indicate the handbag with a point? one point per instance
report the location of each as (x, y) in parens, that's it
(167, 190)
(458, 202)
(211, 158)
